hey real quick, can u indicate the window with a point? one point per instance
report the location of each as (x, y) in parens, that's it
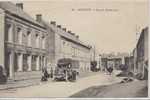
(16, 62)
(9, 33)
(33, 63)
(63, 46)
(25, 64)
(73, 51)
(28, 38)
(64, 42)
(24, 39)
(37, 40)
(19, 35)
(43, 42)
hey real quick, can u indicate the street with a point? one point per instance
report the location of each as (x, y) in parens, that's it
(125, 90)
(61, 89)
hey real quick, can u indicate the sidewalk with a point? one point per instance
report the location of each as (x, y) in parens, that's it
(27, 83)
(19, 84)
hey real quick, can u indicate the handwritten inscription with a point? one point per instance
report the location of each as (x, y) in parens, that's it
(95, 9)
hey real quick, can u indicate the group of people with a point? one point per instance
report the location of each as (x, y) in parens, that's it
(68, 74)
(3, 76)
(110, 70)
(46, 75)
(71, 75)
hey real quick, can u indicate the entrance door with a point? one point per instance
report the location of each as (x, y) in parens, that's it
(7, 63)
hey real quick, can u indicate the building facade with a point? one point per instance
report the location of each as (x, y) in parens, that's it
(140, 53)
(23, 43)
(28, 45)
(65, 44)
(95, 56)
(129, 62)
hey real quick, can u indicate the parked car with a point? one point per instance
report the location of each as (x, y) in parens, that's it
(64, 71)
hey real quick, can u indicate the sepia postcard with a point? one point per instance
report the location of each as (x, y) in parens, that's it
(74, 49)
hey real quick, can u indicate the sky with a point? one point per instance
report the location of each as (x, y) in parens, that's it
(109, 25)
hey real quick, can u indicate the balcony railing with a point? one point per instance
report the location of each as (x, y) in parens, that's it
(9, 44)
(25, 48)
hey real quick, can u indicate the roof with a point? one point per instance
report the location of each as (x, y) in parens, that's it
(13, 9)
(73, 38)
(143, 32)
(66, 35)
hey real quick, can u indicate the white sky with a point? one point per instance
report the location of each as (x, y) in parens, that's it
(109, 31)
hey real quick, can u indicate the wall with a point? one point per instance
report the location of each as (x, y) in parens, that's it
(142, 51)
(2, 23)
(67, 49)
(146, 44)
(14, 48)
(51, 46)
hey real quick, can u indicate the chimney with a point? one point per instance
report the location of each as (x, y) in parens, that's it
(39, 17)
(64, 29)
(69, 31)
(59, 26)
(77, 36)
(19, 5)
(73, 33)
(53, 22)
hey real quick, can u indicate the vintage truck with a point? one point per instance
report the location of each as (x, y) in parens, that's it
(65, 70)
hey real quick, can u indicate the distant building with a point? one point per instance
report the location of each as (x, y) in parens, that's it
(141, 53)
(95, 56)
(23, 43)
(103, 63)
(113, 60)
(129, 62)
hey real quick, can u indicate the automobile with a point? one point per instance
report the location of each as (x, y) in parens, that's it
(59, 75)
(64, 71)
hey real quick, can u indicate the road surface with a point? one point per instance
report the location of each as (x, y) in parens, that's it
(61, 89)
(133, 89)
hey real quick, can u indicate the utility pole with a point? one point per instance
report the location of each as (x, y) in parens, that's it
(94, 52)
(100, 62)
